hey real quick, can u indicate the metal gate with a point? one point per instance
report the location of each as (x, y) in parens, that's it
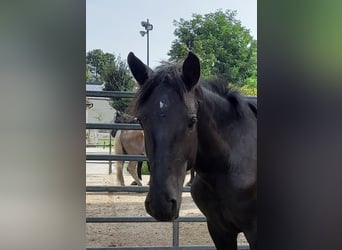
(102, 157)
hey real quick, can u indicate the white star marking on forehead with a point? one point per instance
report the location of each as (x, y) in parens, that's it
(162, 105)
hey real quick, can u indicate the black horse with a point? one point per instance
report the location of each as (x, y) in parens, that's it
(190, 123)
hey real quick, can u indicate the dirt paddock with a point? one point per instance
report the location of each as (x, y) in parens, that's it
(132, 204)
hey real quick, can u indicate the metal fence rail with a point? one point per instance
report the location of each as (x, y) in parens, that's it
(119, 94)
(110, 157)
(141, 219)
(240, 247)
(108, 126)
(126, 94)
(135, 189)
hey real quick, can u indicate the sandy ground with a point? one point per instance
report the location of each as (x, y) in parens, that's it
(132, 204)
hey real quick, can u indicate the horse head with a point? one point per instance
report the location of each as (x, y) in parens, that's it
(167, 110)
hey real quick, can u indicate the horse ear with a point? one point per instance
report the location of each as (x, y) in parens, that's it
(139, 70)
(191, 70)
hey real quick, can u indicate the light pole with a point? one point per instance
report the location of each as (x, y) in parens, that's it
(148, 27)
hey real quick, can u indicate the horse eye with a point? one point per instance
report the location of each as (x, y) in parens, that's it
(192, 121)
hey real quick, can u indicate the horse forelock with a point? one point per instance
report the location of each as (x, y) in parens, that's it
(167, 75)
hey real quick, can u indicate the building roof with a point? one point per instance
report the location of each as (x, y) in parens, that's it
(93, 87)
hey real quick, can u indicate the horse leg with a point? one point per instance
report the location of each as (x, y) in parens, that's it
(192, 176)
(139, 172)
(148, 167)
(222, 233)
(223, 239)
(139, 169)
(119, 174)
(133, 171)
(119, 164)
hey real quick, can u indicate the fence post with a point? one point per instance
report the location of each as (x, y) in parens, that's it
(175, 234)
(110, 152)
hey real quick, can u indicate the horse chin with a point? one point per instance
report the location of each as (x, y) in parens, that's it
(166, 219)
(163, 212)
(163, 217)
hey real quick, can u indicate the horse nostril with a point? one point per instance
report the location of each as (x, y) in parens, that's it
(173, 205)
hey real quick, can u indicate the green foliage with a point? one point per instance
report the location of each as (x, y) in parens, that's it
(98, 60)
(88, 75)
(247, 89)
(250, 86)
(226, 48)
(117, 77)
(113, 72)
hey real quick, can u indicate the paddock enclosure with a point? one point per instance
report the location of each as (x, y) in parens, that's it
(115, 215)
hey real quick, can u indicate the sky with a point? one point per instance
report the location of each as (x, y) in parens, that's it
(113, 25)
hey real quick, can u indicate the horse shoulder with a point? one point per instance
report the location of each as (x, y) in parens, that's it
(204, 195)
(243, 176)
(242, 163)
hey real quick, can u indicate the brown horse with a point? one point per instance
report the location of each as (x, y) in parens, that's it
(202, 124)
(128, 142)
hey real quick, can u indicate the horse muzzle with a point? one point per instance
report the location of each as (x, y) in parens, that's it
(162, 208)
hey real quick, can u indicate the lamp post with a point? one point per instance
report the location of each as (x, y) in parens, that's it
(148, 26)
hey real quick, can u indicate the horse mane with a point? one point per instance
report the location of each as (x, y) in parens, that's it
(219, 87)
(171, 75)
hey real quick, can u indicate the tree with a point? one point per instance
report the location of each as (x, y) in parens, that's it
(226, 48)
(88, 75)
(117, 77)
(113, 72)
(98, 60)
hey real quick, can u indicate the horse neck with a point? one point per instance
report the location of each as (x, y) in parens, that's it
(215, 117)
(213, 109)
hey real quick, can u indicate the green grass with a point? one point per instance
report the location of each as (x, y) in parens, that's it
(104, 142)
(144, 169)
